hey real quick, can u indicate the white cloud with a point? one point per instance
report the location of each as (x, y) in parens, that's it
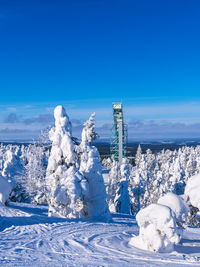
(144, 119)
(12, 109)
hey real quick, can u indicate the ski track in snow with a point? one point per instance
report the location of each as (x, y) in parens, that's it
(29, 237)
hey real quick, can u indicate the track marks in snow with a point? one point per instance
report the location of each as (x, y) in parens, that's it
(44, 241)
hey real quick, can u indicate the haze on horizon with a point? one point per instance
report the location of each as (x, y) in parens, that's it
(87, 54)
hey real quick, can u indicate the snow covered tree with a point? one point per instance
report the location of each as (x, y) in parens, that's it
(13, 171)
(136, 190)
(176, 179)
(192, 197)
(67, 188)
(5, 190)
(112, 184)
(107, 163)
(122, 199)
(12, 165)
(178, 206)
(91, 169)
(138, 156)
(35, 170)
(158, 231)
(88, 133)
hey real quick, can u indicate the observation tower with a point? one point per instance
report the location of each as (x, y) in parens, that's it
(119, 134)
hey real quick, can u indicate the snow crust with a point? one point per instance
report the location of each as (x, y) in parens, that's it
(192, 190)
(158, 232)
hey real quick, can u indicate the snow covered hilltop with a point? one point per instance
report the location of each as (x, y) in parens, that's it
(92, 213)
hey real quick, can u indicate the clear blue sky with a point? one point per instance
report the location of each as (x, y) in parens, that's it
(89, 53)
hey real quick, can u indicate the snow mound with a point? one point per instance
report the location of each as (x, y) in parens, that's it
(5, 190)
(158, 232)
(176, 204)
(192, 190)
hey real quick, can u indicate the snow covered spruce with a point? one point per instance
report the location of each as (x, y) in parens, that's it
(122, 198)
(155, 174)
(112, 184)
(177, 205)
(158, 231)
(118, 190)
(192, 191)
(72, 192)
(91, 169)
(5, 190)
(12, 170)
(192, 197)
(161, 225)
(36, 157)
(67, 189)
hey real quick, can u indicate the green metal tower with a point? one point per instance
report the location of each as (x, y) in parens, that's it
(119, 133)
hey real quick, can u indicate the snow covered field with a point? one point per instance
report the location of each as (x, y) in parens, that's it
(29, 237)
(80, 231)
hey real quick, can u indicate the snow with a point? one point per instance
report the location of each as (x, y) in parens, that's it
(88, 132)
(67, 188)
(77, 228)
(192, 190)
(74, 174)
(91, 169)
(28, 237)
(122, 199)
(68, 197)
(5, 190)
(158, 230)
(177, 205)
